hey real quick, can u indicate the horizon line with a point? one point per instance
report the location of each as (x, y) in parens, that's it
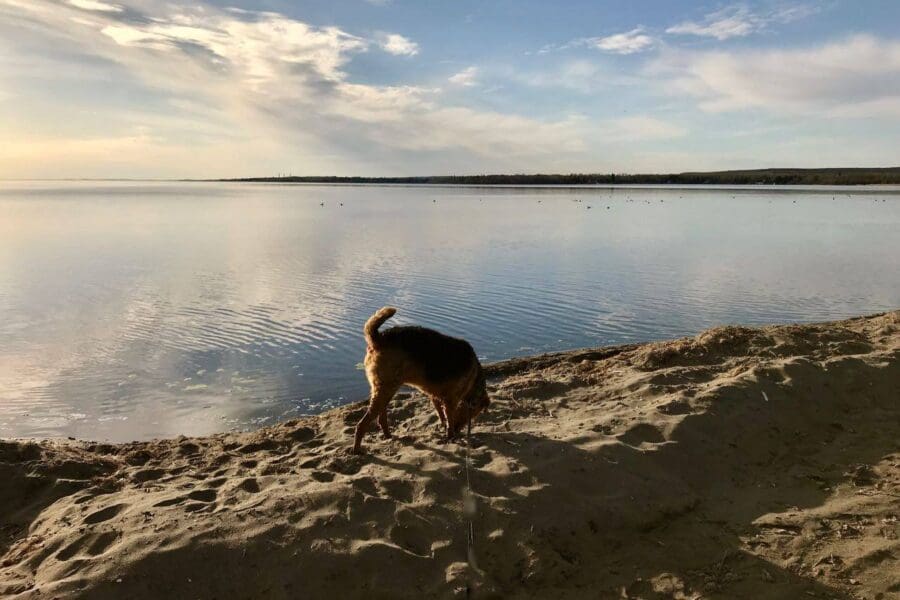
(454, 176)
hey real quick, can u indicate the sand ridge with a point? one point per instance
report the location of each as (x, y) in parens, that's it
(739, 463)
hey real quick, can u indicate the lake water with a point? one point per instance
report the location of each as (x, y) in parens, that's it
(137, 310)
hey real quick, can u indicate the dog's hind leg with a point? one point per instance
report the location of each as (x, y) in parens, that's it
(447, 410)
(381, 396)
(439, 409)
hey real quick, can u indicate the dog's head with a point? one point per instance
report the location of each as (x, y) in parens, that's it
(475, 402)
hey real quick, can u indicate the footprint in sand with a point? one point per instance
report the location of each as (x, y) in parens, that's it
(222, 459)
(169, 502)
(201, 499)
(482, 459)
(411, 533)
(322, 476)
(312, 463)
(89, 495)
(398, 489)
(70, 550)
(675, 407)
(96, 545)
(216, 483)
(146, 475)
(640, 434)
(352, 417)
(104, 514)
(102, 542)
(202, 495)
(302, 434)
(344, 465)
(249, 485)
(188, 449)
(366, 485)
(260, 446)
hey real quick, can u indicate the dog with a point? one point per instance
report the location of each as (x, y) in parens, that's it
(445, 368)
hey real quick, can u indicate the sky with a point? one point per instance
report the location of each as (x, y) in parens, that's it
(150, 89)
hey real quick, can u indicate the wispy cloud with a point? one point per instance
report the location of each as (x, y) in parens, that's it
(468, 77)
(857, 76)
(95, 5)
(739, 20)
(396, 44)
(629, 42)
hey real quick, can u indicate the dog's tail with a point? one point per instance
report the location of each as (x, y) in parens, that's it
(376, 321)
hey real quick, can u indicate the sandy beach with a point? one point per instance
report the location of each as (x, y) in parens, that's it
(740, 463)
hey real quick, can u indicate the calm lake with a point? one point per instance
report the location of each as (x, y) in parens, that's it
(132, 310)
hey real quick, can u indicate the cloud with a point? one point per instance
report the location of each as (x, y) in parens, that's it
(263, 75)
(738, 20)
(467, 77)
(629, 42)
(95, 5)
(856, 76)
(258, 52)
(724, 24)
(396, 44)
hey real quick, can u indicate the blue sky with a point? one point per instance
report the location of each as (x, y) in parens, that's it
(140, 88)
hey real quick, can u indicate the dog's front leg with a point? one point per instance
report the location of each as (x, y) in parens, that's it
(451, 433)
(439, 409)
(378, 403)
(383, 423)
(361, 431)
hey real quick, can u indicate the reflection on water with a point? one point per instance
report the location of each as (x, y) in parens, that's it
(135, 310)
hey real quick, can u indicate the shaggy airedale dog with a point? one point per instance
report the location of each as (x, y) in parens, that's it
(446, 369)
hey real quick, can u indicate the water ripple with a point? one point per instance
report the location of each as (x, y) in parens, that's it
(233, 306)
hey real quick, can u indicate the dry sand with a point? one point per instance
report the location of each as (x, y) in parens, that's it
(741, 463)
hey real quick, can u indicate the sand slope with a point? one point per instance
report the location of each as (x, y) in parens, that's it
(742, 463)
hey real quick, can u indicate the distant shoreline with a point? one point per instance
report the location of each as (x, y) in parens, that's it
(776, 177)
(830, 177)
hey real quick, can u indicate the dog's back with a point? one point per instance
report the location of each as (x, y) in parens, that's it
(439, 356)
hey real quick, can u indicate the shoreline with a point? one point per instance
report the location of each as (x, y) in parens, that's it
(741, 462)
(886, 187)
(763, 176)
(860, 188)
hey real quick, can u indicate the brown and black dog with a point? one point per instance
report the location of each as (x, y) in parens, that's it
(445, 368)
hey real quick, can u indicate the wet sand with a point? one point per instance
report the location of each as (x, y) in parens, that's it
(740, 463)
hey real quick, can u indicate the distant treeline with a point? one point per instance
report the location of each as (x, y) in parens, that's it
(889, 175)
